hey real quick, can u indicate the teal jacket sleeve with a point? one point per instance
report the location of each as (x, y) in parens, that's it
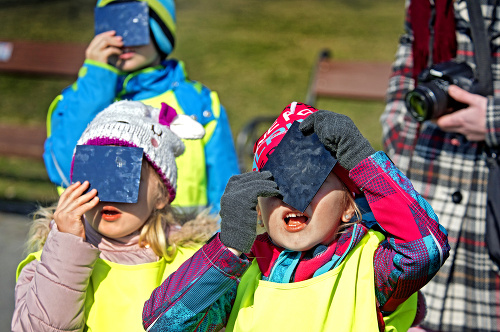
(199, 296)
(70, 113)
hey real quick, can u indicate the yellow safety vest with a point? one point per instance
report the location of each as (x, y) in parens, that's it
(342, 299)
(116, 293)
(191, 168)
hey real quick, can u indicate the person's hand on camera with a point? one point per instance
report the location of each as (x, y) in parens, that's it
(238, 213)
(469, 121)
(71, 207)
(339, 135)
(104, 46)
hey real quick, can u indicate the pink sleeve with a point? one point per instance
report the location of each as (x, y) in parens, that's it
(50, 293)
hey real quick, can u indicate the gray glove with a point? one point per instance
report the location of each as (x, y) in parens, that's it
(238, 228)
(339, 135)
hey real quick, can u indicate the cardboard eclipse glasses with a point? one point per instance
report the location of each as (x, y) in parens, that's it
(299, 164)
(130, 20)
(115, 171)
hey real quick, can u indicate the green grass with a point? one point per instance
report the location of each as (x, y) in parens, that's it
(257, 55)
(22, 180)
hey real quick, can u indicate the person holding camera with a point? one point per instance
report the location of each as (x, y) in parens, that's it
(440, 131)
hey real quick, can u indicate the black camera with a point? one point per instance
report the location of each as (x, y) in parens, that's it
(430, 99)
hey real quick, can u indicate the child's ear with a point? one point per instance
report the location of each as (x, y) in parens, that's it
(348, 213)
(259, 213)
(161, 202)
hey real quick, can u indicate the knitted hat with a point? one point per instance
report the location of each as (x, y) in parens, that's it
(266, 144)
(161, 22)
(157, 132)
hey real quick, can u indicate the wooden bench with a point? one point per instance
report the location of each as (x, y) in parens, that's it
(33, 58)
(329, 79)
(366, 80)
(41, 58)
(22, 141)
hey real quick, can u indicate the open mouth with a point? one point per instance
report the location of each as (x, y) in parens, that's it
(110, 213)
(295, 222)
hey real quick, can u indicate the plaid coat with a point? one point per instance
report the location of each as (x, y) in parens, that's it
(451, 174)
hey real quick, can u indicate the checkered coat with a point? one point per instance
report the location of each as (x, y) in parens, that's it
(451, 173)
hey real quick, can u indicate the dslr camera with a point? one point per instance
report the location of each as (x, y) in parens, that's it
(430, 99)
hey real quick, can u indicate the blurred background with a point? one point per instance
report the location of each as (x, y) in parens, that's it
(258, 55)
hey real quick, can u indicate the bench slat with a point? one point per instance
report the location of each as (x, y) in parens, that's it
(352, 80)
(44, 58)
(22, 141)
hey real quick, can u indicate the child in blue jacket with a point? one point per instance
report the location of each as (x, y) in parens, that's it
(113, 72)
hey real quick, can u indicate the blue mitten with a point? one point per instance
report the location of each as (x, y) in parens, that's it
(339, 135)
(238, 208)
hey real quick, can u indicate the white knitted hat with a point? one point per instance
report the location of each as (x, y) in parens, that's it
(158, 132)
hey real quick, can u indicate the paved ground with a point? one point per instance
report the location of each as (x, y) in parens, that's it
(13, 231)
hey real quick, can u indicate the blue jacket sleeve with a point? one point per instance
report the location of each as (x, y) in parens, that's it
(199, 295)
(70, 113)
(221, 160)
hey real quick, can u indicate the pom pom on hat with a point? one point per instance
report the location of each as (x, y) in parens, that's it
(162, 22)
(131, 123)
(266, 144)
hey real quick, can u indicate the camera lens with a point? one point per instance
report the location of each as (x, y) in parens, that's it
(418, 105)
(427, 101)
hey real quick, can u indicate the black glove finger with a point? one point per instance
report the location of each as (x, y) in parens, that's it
(240, 195)
(258, 189)
(323, 124)
(243, 189)
(268, 187)
(307, 125)
(246, 178)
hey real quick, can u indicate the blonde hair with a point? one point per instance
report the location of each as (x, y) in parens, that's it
(163, 231)
(40, 228)
(349, 201)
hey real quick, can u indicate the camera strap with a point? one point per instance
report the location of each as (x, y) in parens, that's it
(434, 37)
(482, 48)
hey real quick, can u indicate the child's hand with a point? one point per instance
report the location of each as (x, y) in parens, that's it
(238, 208)
(71, 207)
(339, 135)
(103, 46)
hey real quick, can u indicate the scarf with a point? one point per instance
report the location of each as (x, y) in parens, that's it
(284, 266)
(444, 44)
(125, 250)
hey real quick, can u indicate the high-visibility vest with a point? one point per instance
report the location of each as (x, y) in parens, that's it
(191, 168)
(116, 292)
(342, 299)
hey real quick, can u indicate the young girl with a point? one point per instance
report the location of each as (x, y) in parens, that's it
(324, 269)
(94, 263)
